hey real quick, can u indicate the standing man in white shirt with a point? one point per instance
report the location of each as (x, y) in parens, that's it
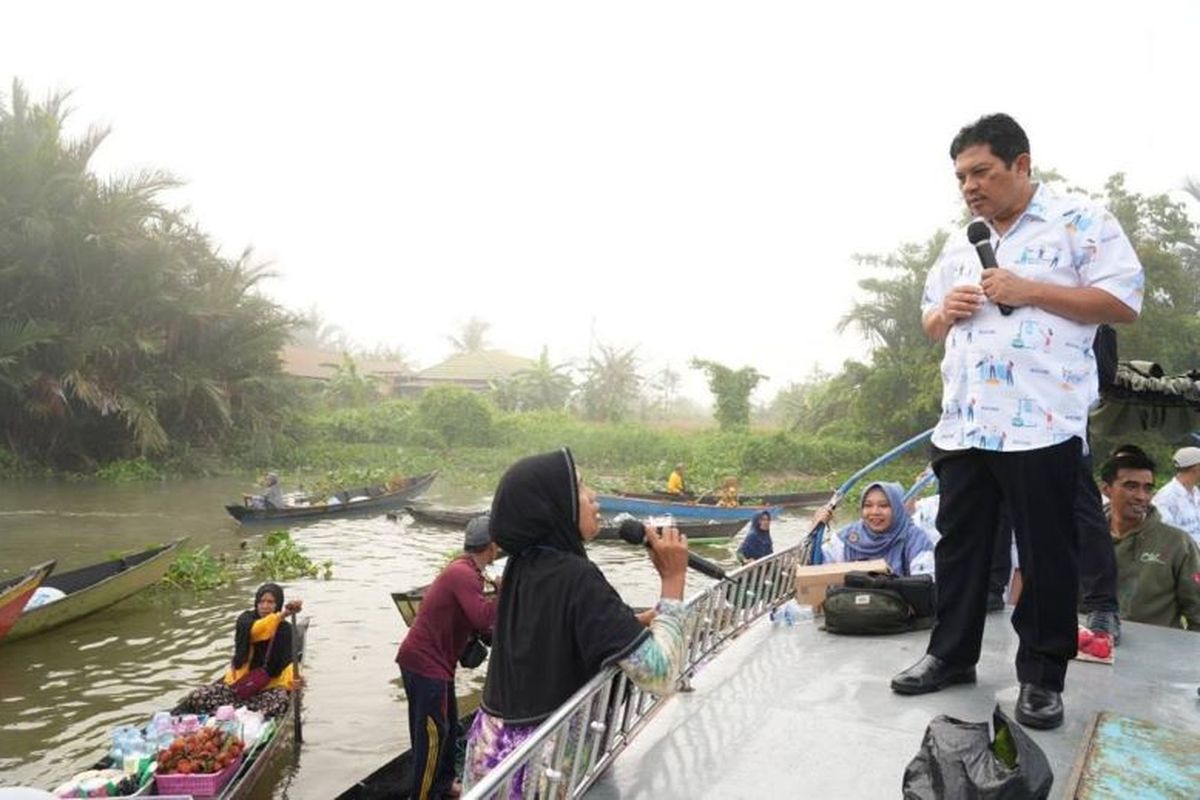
(1179, 500)
(1029, 376)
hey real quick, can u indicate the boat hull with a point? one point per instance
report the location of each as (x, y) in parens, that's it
(616, 504)
(783, 500)
(96, 587)
(15, 593)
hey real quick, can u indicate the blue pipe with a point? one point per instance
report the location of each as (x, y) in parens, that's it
(817, 534)
(926, 478)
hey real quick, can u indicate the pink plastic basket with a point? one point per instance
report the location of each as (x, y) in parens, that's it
(205, 785)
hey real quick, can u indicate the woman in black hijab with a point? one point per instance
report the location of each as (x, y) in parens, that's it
(558, 621)
(253, 634)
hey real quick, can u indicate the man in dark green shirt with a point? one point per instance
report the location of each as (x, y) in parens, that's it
(1158, 566)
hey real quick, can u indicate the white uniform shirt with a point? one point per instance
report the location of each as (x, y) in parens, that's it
(1025, 381)
(1179, 507)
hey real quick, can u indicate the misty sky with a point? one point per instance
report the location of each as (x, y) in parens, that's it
(691, 178)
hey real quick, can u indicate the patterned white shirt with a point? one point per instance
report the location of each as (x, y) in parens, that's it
(1180, 507)
(1026, 381)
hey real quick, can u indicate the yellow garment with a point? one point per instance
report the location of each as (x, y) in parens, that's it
(728, 498)
(262, 630)
(675, 483)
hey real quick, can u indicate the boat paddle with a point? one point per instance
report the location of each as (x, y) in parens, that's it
(299, 737)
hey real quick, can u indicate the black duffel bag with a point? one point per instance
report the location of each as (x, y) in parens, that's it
(874, 603)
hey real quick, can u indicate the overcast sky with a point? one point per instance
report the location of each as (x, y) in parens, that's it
(691, 178)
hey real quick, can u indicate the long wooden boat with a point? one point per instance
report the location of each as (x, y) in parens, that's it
(366, 498)
(394, 779)
(617, 504)
(15, 593)
(90, 589)
(265, 757)
(783, 500)
(433, 515)
(698, 531)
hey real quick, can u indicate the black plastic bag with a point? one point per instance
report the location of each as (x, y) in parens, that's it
(960, 760)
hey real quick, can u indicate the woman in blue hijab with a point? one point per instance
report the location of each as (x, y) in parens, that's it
(884, 530)
(757, 543)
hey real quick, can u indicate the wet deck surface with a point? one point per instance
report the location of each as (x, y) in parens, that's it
(787, 711)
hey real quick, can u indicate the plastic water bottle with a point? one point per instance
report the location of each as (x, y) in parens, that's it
(790, 613)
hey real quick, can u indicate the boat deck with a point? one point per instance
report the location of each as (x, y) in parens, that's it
(784, 710)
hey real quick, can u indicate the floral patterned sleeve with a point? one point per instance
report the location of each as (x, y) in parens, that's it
(657, 662)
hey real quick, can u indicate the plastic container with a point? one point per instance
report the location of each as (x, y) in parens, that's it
(791, 613)
(204, 785)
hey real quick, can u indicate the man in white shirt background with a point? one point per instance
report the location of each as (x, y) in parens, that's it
(1179, 500)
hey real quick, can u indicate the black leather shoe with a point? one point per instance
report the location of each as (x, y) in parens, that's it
(1038, 707)
(930, 674)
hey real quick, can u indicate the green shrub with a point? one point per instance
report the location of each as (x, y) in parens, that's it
(198, 569)
(458, 416)
(134, 469)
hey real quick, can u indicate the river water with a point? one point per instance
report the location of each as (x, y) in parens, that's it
(63, 691)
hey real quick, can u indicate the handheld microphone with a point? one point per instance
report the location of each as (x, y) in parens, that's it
(979, 235)
(634, 532)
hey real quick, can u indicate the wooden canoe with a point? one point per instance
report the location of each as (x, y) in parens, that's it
(783, 500)
(15, 593)
(93, 588)
(433, 515)
(698, 531)
(366, 498)
(394, 779)
(618, 504)
(265, 757)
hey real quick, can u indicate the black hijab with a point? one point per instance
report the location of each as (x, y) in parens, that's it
(537, 504)
(243, 648)
(558, 621)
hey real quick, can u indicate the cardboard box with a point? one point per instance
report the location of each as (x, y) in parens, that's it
(814, 579)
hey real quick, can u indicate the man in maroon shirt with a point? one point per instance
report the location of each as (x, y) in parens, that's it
(452, 608)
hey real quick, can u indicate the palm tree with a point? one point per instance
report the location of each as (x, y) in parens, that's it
(544, 385)
(471, 337)
(155, 337)
(610, 384)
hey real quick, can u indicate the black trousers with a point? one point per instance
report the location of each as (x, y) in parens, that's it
(1038, 489)
(433, 730)
(1097, 559)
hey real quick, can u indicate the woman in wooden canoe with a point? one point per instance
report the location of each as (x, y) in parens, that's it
(261, 673)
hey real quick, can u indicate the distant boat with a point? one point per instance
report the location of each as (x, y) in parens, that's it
(367, 498)
(698, 531)
(784, 500)
(93, 588)
(616, 504)
(15, 593)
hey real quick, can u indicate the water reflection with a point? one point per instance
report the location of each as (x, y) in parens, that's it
(61, 692)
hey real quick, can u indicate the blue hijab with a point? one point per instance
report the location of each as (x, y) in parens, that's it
(899, 544)
(757, 543)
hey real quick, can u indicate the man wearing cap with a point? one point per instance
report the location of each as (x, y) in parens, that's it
(452, 609)
(1179, 500)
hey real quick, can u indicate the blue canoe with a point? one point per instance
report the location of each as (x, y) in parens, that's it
(616, 504)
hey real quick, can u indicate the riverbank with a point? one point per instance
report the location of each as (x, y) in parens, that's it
(357, 446)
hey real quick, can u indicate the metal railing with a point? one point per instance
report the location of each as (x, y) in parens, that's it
(571, 749)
